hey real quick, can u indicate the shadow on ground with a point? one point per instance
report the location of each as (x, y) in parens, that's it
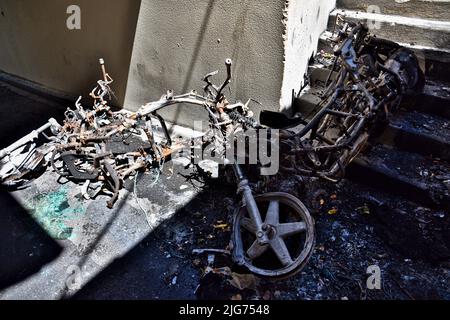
(161, 265)
(24, 246)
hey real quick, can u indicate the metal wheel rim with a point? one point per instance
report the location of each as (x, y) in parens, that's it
(300, 261)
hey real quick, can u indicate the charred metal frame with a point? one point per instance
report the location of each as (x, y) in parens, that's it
(368, 80)
(372, 76)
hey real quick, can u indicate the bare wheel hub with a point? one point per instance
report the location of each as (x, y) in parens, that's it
(269, 230)
(283, 244)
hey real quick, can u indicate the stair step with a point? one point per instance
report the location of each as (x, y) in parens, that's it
(435, 98)
(429, 39)
(411, 175)
(435, 62)
(404, 30)
(439, 10)
(420, 133)
(306, 104)
(414, 230)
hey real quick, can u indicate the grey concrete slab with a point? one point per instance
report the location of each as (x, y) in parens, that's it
(91, 235)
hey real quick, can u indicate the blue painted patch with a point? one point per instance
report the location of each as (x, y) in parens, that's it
(53, 212)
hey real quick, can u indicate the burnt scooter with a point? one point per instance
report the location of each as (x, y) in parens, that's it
(273, 234)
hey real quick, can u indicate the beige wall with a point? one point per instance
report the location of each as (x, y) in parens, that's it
(151, 46)
(35, 43)
(270, 42)
(177, 44)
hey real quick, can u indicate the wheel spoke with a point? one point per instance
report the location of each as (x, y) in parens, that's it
(279, 247)
(256, 250)
(273, 213)
(248, 224)
(288, 229)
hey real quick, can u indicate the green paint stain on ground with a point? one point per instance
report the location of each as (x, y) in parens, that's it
(53, 212)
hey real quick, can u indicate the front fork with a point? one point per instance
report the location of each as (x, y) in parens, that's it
(248, 200)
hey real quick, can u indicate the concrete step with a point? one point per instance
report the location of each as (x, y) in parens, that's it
(437, 10)
(415, 231)
(307, 103)
(404, 30)
(434, 100)
(429, 39)
(434, 62)
(421, 179)
(420, 133)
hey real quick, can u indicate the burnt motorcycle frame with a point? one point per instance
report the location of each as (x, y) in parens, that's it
(364, 89)
(367, 81)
